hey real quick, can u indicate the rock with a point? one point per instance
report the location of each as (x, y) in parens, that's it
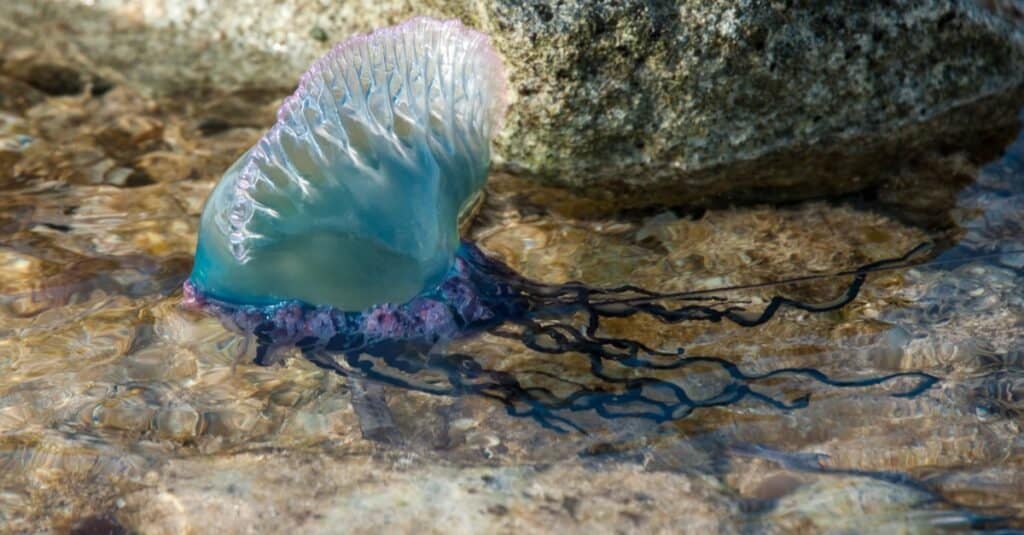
(238, 109)
(639, 102)
(16, 95)
(50, 78)
(11, 149)
(128, 136)
(319, 494)
(45, 73)
(96, 525)
(858, 505)
(165, 166)
(691, 102)
(649, 103)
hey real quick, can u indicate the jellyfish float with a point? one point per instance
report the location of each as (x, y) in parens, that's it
(337, 233)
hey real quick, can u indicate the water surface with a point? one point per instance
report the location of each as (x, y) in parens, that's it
(120, 410)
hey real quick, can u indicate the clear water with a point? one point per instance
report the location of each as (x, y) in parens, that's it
(121, 411)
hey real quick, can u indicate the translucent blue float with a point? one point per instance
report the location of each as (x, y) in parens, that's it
(352, 199)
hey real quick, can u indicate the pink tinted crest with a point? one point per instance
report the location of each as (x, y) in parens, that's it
(480, 56)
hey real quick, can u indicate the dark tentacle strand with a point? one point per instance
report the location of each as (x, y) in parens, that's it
(625, 301)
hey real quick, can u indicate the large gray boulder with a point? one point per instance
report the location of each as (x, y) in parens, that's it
(692, 100)
(636, 102)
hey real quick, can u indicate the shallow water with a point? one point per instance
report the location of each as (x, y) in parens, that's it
(120, 410)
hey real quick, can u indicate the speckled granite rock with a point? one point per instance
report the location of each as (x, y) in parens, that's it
(684, 101)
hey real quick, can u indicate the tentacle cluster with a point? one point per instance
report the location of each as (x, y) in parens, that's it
(397, 344)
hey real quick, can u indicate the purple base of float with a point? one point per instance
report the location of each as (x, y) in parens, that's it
(467, 300)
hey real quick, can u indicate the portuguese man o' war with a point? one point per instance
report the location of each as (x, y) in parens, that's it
(337, 233)
(353, 197)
